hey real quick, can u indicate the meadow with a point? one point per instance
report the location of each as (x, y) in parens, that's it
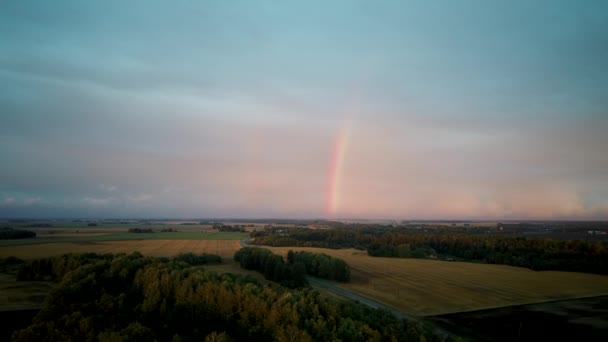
(149, 247)
(69, 237)
(96, 236)
(431, 287)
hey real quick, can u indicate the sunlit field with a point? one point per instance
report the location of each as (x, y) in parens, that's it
(151, 247)
(431, 287)
(99, 236)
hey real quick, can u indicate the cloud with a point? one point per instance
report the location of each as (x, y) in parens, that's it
(98, 201)
(31, 201)
(21, 201)
(141, 199)
(107, 188)
(232, 110)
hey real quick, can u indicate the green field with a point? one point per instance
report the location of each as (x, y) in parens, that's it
(149, 247)
(121, 236)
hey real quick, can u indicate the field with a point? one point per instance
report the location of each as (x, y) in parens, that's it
(22, 295)
(430, 287)
(583, 319)
(413, 286)
(150, 247)
(98, 235)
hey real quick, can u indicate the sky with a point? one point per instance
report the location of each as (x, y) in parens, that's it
(304, 109)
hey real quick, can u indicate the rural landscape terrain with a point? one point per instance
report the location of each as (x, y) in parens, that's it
(448, 295)
(303, 170)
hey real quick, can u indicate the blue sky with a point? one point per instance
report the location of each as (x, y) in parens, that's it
(454, 109)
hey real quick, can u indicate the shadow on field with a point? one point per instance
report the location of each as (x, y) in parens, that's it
(15, 320)
(567, 320)
(20, 301)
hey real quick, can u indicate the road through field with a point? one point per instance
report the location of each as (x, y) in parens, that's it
(355, 296)
(347, 293)
(431, 287)
(374, 304)
(327, 285)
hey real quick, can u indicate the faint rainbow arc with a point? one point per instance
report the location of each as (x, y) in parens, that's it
(335, 172)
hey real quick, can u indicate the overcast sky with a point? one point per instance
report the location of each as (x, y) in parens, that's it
(304, 109)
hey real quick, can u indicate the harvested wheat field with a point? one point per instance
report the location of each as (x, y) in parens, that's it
(224, 248)
(432, 287)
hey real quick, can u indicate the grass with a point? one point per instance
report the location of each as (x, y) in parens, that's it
(431, 287)
(414, 286)
(22, 295)
(123, 236)
(149, 247)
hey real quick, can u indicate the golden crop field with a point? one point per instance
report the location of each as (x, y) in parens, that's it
(414, 286)
(224, 248)
(431, 287)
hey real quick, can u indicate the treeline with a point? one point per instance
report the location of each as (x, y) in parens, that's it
(7, 233)
(533, 253)
(228, 228)
(150, 230)
(10, 264)
(55, 268)
(199, 259)
(136, 298)
(272, 266)
(140, 230)
(321, 265)
(293, 272)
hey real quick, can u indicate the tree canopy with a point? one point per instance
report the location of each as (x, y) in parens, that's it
(137, 298)
(529, 252)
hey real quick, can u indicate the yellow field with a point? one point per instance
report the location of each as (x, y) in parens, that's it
(224, 248)
(414, 286)
(430, 287)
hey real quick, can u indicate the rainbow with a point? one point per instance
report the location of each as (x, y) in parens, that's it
(334, 175)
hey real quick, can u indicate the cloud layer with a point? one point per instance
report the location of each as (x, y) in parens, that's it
(151, 109)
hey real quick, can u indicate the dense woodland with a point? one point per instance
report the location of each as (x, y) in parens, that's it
(272, 266)
(10, 233)
(136, 298)
(292, 273)
(321, 265)
(449, 244)
(229, 228)
(140, 230)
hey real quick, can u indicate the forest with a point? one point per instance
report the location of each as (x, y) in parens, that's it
(456, 245)
(136, 298)
(140, 230)
(321, 265)
(293, 272)
(10, 233)
(228, 228)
